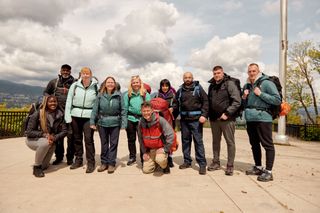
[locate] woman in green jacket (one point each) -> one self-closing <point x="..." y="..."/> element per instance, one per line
<point x="109" y="114"/>
<point x="133" y="99"/>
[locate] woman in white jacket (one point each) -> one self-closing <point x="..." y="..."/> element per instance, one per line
<point x="81" y="97"/>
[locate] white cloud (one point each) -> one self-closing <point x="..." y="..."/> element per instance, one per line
<point x="232" y="53"/>
<point x="45" y="12"/>
<point x="309" y="34"/>
<point x="271" y="7"/>
<point x="142" y="38"/>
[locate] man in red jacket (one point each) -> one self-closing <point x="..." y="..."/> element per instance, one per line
<point x="156" y="137"/>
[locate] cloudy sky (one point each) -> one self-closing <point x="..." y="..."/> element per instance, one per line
<point x="155" y="39"/>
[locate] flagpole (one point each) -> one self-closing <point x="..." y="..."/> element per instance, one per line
<point x="281" y="137"/>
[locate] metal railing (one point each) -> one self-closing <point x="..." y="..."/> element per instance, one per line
<point x="11" y="126"/>
<point x="11" y="123"/>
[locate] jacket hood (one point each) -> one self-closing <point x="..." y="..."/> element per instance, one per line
<point x="193" y="85"/>
<point x="93" y="82"/>
<point x="259" y="76"/>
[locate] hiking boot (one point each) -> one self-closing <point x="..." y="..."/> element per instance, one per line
<point x="102" y="167"/>
<point x="170" y="161"/>
<point x="90" y="168"/>
<point x="166" y="170"/>
<point x="76" y="165"/>
<point x="57" y="161"/>
<point x="265" y="176"/>
<point x="254" y="171"/>
<point x="37" y="171"/>
<point x="69" y="162"/>
<point x="202" y="170"/>
<point x="214" y="166"/>
<point x="184" y="166"/>
<point x="229" y="170"/>
<point x="111" y="169"/>
<point x="131" y="161"/>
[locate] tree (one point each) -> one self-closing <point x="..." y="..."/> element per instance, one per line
<point x="303" y="65"/>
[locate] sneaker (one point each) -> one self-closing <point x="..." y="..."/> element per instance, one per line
<point x="202" y="170"/>
<point x="90" y="168"/>
<point x="102" y="167"/>
<point x="111" y="169"/>
<point x="184" y="166"/>
<point x="76" y="165"/>
<point x="131" y="161"/>
<point x="166" y="170"/>
<point x="57" y="161"/>
<point x="214" y="166"/>
<point x="265" y="176"/>
<point x="254" y="171"/>
<point x="229" y="170"/>
<point x="38" y="172"/>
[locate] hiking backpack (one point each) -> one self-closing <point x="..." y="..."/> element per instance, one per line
<point x="274" y="110"/>
<point x="35" y="107"/>
<point x="239" y="111"/>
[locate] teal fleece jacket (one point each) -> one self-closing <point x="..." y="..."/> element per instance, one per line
<point x="134" y="107"/>
<point x="253" y="104"/>
<point x="109" y="111"/>
<point x="80" y="100"/>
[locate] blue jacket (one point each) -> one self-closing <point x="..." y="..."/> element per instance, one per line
<point x="254" y="105"/>
<point x="80" y="100"/>
<point x="109" y="111"/>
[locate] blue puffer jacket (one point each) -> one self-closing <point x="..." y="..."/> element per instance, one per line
<point x="254" y="104"/>
<point x="109" y="111"/>
<point x="80" y="100"/>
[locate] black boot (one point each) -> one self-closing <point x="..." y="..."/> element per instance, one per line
<point x="170" y="161"/>
<point x="166" y="170"/>
<point x="37" y="171"/>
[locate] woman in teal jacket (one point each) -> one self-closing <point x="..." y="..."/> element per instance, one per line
<point x="133" y="99"/>
<point x="109" y="114"/>
<point x="81" y="97"/>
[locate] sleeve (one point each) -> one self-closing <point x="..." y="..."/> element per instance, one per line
<point x="234" y="96"/>
<point x="124" y="118"/>
<point x="168" y="134"/>
<point x="94" y="112"/>
<point x="67" y="113"/>
<point x="269" y="93"/>
<point x="140" y="139"/>
<point x="63" y="133"/>
<point x="205" y="102"/>
<point x="33" y="126"/>
<point x="49" y="90"/>
<point x="148" y="97"/>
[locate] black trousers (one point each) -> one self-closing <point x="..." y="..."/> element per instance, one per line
<point x="132" y="129"/>
<point x="81" y="127"/>
<point x="261" y="132"/>
<point x="59" y="151"/>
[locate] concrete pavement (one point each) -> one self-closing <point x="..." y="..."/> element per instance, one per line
<point x="296" y="185"/>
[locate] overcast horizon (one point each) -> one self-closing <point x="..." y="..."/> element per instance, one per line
<point x="155" y="39"/>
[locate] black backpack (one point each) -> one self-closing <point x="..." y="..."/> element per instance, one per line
<point x="236" y="81"/>
<point x="35" y="107"/>
<point x="274" y="110"/>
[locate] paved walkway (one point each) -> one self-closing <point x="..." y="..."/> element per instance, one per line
<point x="296" y="185"/>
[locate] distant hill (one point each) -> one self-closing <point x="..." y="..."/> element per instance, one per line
<point x="23" y="89"/>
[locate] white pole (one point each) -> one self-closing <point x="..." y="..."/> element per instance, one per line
<point x="281" y="137"/>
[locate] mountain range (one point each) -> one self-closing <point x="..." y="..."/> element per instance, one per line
<point x="22" y="89"/>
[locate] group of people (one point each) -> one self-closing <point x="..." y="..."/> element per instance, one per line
<point x="77" y="107"/>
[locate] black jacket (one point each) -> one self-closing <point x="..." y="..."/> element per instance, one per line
<point x="191" y="100"/>
<point x="58" y="127"/>
<point x="224" y="97"/>
<point x="59" y="89"/>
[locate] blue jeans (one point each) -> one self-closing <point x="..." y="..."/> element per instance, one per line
<point x="109" y="137"/>
<point x="189" y="130"/>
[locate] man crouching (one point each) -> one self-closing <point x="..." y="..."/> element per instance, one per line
<point x="156" y="137"/>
